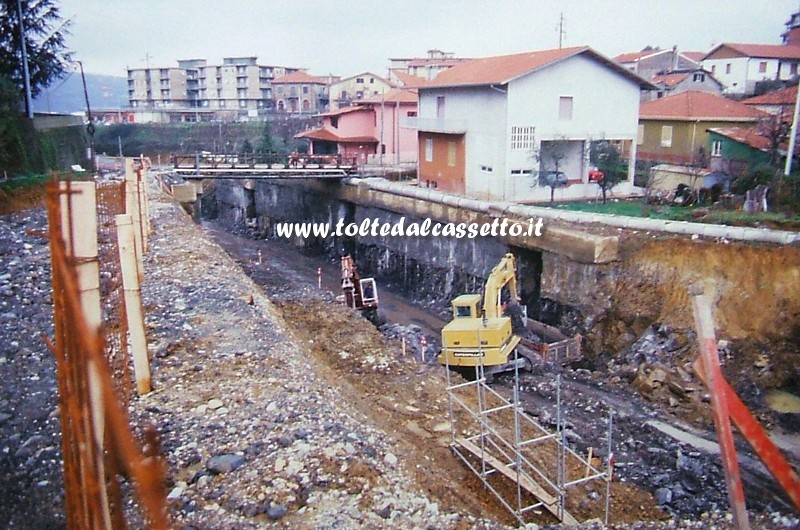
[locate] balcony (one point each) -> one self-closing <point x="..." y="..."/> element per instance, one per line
<point x="434" y="125"/>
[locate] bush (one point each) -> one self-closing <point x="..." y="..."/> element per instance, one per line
<point x="759" y="175"/>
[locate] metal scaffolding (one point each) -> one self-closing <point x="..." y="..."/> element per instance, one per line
<point x="525" y="466"/>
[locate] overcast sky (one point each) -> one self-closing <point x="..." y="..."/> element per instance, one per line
<point x="346" y="37"/>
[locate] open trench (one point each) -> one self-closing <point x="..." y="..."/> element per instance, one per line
<point x="673" y="470"/>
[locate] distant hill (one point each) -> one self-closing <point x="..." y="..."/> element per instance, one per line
<point x="66" y="94"/>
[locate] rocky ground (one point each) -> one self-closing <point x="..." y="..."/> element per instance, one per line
<point x="281" y="410"/>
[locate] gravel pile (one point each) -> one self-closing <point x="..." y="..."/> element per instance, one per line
<point x="252" y="432"/>
<point x="31" y="484"/>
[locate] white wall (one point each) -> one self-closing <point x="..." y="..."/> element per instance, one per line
<point x="605" y="105"/>
<point x="736" y="81"/>
<point x="484" y="111"/>
<point x="745" y="72"/>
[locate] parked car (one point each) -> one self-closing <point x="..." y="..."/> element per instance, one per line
<point x="554" y="179"/>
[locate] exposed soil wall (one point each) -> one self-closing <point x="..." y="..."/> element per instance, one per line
<point x="755" y="288"/>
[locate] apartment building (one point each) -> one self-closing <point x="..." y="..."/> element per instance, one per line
<point x="240" y="86"/>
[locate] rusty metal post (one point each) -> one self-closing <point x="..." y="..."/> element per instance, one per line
<point x="78" y="223"/>
<point x="704" y="322"/>
<point x="758" y="439"/>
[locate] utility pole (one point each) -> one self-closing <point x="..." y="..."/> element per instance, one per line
<point x="793" y="136"/>
<point x="90" y="127"/>
<point x="561" y="32"/>
<point x="26" y="75"/>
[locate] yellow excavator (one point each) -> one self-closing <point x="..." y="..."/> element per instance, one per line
<point x="487" y="335"/>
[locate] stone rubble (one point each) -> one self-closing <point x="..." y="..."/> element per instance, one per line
<point x="253" y="433"/>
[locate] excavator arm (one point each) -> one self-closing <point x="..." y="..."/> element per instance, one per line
<point x="504" y="273"/>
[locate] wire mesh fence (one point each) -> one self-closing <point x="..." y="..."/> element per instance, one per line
<point x="110" y="203"/>
<point x="99" y="450"/>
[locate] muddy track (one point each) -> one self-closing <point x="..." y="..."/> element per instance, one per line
<point x="646" y="457"/>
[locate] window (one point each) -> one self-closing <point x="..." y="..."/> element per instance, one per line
<point x="793" y="69"/>
<point x="666" y="136"/>
<point x="522" y="137"/>
<point x="716" y="148"/>
<point x="360" y="80"/>
<point x="371" y="80"/>
<point x="728" y="68"/>
<point x="699" y="77"/>
<point x="762" y="67"/>
<point x="411" y="113"/>
<point x="343" y="95"/>
<point x="640" y="135"/>
<point x="440" y="107"/>
<point x="451" y="154"/>
<point x="429" y="150"/>
<point x="335" y="122"/>
<point x="565" y="108"/>
<point x="487" y="169"/>
<point x="242" y="103"/>
<point x="305" y="89"/>
<point x="222" y="103"/>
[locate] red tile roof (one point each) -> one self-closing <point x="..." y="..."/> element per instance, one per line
<point x="763" y="51"/>
<point x="396" y="95"/>
<point x="670" y="80"/>
<point x="743" y="135"/>
<point x="784" y="96"/>
<point x="303" y="77"/>
<point x="693" y="56"/>
<point x="343" y="110"/>
<point x="502" y="69"/>
<point x="632" y="57"/>
<point x="408" y="80"/>
<point x="330" y="136"/>
<point x="694" y="105"/>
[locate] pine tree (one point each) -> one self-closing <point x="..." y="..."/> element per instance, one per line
<point x="45" y="32"/>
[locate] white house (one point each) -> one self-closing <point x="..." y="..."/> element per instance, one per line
<point x="498" y="127"/>
<point x="740" y="66"/>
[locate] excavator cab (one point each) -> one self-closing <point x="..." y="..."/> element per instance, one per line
<point x="466" y="306"/>
<point x="359" y="293"/>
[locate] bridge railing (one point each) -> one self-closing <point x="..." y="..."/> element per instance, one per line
<point x="205" y="160"/>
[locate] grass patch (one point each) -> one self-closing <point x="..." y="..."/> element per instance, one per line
<point x="20" y="193"/>
<point x="697" y="214"/>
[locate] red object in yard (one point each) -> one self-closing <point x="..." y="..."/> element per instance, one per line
<point x="595" y="175"/>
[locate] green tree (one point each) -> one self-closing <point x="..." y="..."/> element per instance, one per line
<point x="266" y="144"/>
<point x="10" y="144"/>
<point x="607" y="159"/>
<point x="45" y="32"/>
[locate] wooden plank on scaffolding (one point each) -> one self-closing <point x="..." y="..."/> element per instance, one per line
<point x="549" y="501"/>
<point x="704" y="322"/>
<point x="758" y="438"/>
